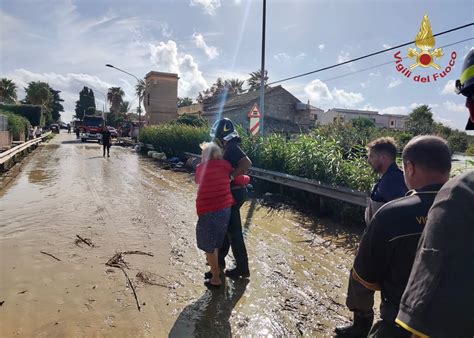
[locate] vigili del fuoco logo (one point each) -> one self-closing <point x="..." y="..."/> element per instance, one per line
<point x="425" y="56"/>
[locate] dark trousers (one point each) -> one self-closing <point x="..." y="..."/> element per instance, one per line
<point x="235" y="237"/>
<point x="105" y="146"/>
<point x="384" y="329"/>
<point x="360" y="300"/>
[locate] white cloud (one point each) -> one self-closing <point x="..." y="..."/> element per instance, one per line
<point x="375" y="74"/>
<point x="210" y="51"/>
<point x="394" y="82"/>
<point x="386" y="46"/>
<point x="453" y="107"/>
<point x="281" y="57"/>
<point x="343" y="57"/>
<point x="209" y="6"/>
<point x="364" y="84"/>
<point x="165" y="30"/>
<point x="319" y="92"/>
<point x="448" y="88"/>
<point x="166" y="58"/>
<point x="321" y="46"/>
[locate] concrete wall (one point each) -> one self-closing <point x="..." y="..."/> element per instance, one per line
<point x="161" y="95"/>
<point x="194" y="109"/>
<point x="5" y="139"/>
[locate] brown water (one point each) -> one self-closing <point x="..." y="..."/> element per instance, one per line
<point x="299" y="265"/>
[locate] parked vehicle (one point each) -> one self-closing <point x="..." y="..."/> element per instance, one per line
<point x="113" y="132"/>
<point x="91" y="128"/>
<point x="54" y="128"/>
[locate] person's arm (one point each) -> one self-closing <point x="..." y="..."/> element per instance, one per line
<point x="371" y="256"/>
<point x="243" y="166"/>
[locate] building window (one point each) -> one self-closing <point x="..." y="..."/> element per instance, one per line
<point x="392" y="123"/>
<point x="148" y="99"/>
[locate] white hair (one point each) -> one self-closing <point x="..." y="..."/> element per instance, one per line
<point x="210" y="151"/>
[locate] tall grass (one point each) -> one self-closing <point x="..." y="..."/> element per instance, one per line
<point x="175" y="139"/>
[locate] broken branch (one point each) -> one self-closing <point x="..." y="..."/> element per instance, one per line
<point x="48" y="254"/>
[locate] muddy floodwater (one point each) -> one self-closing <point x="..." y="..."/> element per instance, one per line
<point x="54" y="285"/>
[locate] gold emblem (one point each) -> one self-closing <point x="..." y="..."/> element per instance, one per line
<point x="426" y="42"/>
<point x="226" y="128"/>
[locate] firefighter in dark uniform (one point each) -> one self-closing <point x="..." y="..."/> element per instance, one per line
<point x="382" y="153"/>
<point x="387" y="249"/>
<point x="439" y="298"/>
<point x="224" y="133"/>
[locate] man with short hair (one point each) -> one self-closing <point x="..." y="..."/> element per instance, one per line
<point x="381" y="156"/>
<point x="387" y="250"/>
<point x="439" y="297"/>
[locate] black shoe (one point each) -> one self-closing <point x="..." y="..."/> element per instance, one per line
<point x="360" y="328"/>
<point x="208" y="275"/>
<point x="236" y="273"/>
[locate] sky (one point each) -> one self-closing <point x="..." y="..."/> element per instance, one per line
<point x="67" y="44"/>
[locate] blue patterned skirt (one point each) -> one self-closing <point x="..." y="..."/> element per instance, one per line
<point x="211" y="230"/>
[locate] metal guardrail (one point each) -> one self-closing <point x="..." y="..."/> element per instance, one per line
<point x="339" y="193"/>
<point x="9" y="154"/>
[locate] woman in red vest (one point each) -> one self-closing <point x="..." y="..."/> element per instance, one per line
<point x="213" y="203"/>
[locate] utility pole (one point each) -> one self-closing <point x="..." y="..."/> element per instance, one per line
<point x="262" y="70"/>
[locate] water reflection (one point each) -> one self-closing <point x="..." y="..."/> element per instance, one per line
<point x="39" y="176"/>
<point x="209" y="315"/>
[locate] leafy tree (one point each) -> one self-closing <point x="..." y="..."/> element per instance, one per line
<point x="39" y="93"/>
<point x="470" y="150"/>
<point x="124" y="108"/>
<point x="184" y="101"/>
<point x="458" y="141"/>
<point x="7" y="91"/>
<point x="362" y="123"/>
<point x="86" y="101"/>
<point x="192" y="120"/>
<point x="56" y="106"/>
<point x="255" y="80"/>
<point x="420" y="121"/>
<point x="219" y="91"/>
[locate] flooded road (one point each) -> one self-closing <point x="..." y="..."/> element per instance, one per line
<point x="299" y="265"/>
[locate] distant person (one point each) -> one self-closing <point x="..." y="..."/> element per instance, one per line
<point x="77" y="131"/>
<point x="213" y="203"/>
<point x="439" y="297"/>
<point x="388" y="247"/>
<point x="38" y="131"/>
<point x="382" y="154"/>
<point x="31" y="133"/>
<point x="106" y="141"/>
<point x="226" y="136"/>
<point x="68" y="128"/>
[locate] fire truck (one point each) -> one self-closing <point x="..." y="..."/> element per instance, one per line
<point x="91" y="128"/>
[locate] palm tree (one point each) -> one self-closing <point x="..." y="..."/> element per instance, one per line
<point x="124" y="107"/>
<point x="255" y="79"/>
<point x="140" y="92"/>
<point x="7" y="91"/>
<point x="115" y="97"/>
<point x="39" y="93"/>
<point x="234" y="86"/>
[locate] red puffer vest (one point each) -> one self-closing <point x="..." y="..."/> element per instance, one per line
<point x="214" y="193"/>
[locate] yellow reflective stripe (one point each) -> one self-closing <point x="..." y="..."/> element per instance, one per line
<point x="412" y="330"/>
<point x="467" y="74"/>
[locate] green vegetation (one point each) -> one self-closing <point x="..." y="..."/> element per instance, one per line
<point x="175" y="139"/>
<point x="85" y="104"/>
<point x="17" y="124"/>
<point x="31" y="112"/>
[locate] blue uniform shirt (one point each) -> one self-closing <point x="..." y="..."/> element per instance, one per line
<point x="390" y="186"/>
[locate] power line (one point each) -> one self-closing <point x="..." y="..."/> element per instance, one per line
<point x="366" y="56"/>
<point x="387" y="63"/>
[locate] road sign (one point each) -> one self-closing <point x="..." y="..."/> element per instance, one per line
<point x="254" y="115"/>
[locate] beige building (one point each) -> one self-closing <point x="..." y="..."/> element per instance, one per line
<point x="161" y="95"/>
<point x="389" y="121"/>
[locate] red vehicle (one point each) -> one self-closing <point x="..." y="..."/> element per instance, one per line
<point x="91" y="128"/>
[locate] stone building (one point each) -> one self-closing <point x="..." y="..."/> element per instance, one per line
<point x="389" y="121"/>
<point x="160" y="97"/>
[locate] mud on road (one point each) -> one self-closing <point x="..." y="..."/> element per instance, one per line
<point x="299" y="264"/>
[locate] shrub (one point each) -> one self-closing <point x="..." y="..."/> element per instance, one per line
<point x="175" y="139"/>
<point x="17" y="124"/>
<point x="31" y="112"/>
